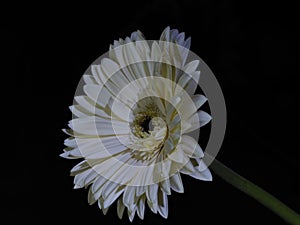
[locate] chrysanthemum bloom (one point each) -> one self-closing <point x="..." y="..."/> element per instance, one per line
<point x="133" y="125"/>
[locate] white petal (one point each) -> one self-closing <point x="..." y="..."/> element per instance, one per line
<point x="180" y="38"/>
<point x="165" y="186"/>
<point x="143" y="50"/>
<point x="117" y="54"/>
<point x="109" y="67"/>
<point x="163" y="204"/>
<point x="174" y="123"/>
<point x="98" y="94"/>
<point x="128" y="40"/>
<point x="90" y="177"/>
<point x="105" y="211"/>
<point x="131" y="214"/>
<point x="163" y="170"/>
<point x="70" y="142"/>
<point x="137" y="36"/>
<point x="191" y="147"/>
<point x="115" y="144"/>
<point x="174" y="33"/>
<point x="186" y="107"/>
<point x="119" y="170"/>
<point x="140" y="190"/>
<point x="196" y="121"/>
<point x="165" y="71"/>
<point x="192" y="85"/>
<point x="97" y="74"/>
<point x="134" y="63"/>
<point x="88" y="79"/>
<point x="108" y="188"/>
<point x="113" y="196"/>
<point x="120" y="208"/>
<point x="199" y="100"/>
<point x="155" y="52"/>
<point x="72" y="154"/>
<point x="91" y="107"/>
<point x="120" y="110"/>
<point x="100" y="205"/>
<point x="91" y="197"/>
<point x="114" y="79"/>
<point x="178" y="156"/>
<point x="80" y="167"/>
<point x="80" y="178"/>
<point x="134" y="60"/>
<point x="204" y="118"/>
<point x="142" y="174"/>
<point x="98" y="148"/>
<point x="184" y="80"/>
<point x="165" y="36"/>
<point x="141" y="207"/>
<point x="153" y="206"/>
<point x="191" y="67"/>
<point x="203" y="175"/>
<point x="129" y="196"/>
<point x="79" y="111"/>
<point x="97" y="126"/>
<point x="99" y="182"/>
<point x="112" y="88"/>
<point x="152" y="193"/>
<point x="188" y="168"/>
<point x="176" y="183"/>
<point x="187" y="43"/>
<point x="201" y="166"/>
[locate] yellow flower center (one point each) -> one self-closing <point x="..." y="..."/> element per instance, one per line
<point x="149" y="134"/>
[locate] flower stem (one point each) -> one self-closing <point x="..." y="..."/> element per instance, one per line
<point x="256" y="192"/>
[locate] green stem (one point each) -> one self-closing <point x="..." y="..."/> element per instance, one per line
<point x="256" y="192"/>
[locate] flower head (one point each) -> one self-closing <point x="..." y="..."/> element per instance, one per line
<point x="133" y="125"/>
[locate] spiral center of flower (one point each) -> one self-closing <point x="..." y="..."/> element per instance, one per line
<point x="149" y="132"/>
<point x="155" y="129"/>
<point x="146" y="125"/>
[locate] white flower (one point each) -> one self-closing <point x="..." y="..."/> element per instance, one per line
<point x="132" y="125"/>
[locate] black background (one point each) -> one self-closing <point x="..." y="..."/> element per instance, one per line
<point x="253" y="51"/>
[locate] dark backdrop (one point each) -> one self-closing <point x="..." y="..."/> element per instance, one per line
<point x="252" y="49"/>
